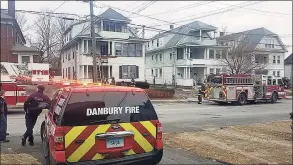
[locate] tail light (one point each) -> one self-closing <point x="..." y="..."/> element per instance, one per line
<point x="59" y="139"/>
<point x="159" y="137"/>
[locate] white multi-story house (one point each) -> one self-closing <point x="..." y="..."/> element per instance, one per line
<point x="261" y="42"/>
<point x="121" y="50"/>
<point x="184" y="55"/>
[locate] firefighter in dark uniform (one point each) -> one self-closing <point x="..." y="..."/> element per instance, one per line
<point x="33" y="107"/>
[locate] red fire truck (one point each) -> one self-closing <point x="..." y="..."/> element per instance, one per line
<point x="242" y="89"/>
<point x="15" y="95"/>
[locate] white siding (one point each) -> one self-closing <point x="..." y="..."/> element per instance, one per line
<point x="268" y="39"/>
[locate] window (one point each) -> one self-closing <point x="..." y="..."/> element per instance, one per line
<point x="279" y="60"/>
<point x="218" y="70"/>
<point x="89" y="46"/>
<point x="156" y="58"/>
<point x="170" y="56"/>
<point x="138" y="50"/>
<point x="59" y="106"/>
<point x="152" y="57"/>
<point x="218" y="54"/>
<point x="152" y="72"/>
<point x="274" y="73"/>
<point x="85" y="46"/>
<point x="128" y="72"/>
<point x="152" y="42"/>
<point x="73" y="55"/>
<point x="118" y="49"/>
<point x="158" y="43"/>
<point x="211" y="54"/>
<point x="25" y="59"/>
<point x="156" y="73"/>
<point x="265" y="60"/>
<point x="269" y="43"/>
<point x="63" y="73"/>
<point x="274" y="59"/>
<point x="79" y="106"/>
<point x="130" y="50"/>
<point x="148" y="44"/>
<point x="69" y="56"/>
<point x="112" y="26"/>
<point x="76" y="47"/>
<point x="54" y="100"/>
<point x="212" y="70"/>
<point x="160" y="72"/>
<point x="160" y="57"/>
<point x="278" y="73"/>
<point x="63" y="58"/>
<point x="179" y="53"/>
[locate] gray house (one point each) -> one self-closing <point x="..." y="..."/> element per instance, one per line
<point x="288" y="67"/>
<point x="184" y="55"/>
<point x="263" y="42"/>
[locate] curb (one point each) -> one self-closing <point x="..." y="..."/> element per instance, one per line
<point x="172" y="101"/>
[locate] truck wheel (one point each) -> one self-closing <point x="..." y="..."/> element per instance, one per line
<point x="274" y="97"/>
<point x="242" y="99"/>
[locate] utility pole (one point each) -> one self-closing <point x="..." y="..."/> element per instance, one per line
<point x="94" y="54"/>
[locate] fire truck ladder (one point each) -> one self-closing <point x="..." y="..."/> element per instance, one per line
<point x="238" y="81"/>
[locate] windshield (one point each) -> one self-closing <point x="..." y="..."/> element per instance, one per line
<point x="216" y="80"/>
<point x="91" y="107"/>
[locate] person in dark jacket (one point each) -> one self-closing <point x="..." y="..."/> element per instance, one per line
<point x="3" y="118"/>
<point x="33" y="107"/>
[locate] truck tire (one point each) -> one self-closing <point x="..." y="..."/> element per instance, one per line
<point x="242" y="99"/>
<point x="274" y="97"/>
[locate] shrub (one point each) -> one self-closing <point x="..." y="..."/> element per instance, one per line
<point x="160" y="92"/>
<point x="143" y="85"/>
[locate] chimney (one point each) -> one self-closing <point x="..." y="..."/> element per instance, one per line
<point x="171" y="27"/>
<point x="11" y="8"/>
<point x="222" y="33"/>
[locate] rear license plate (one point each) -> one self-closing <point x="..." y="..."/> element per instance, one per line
<point x="115" y="142"/>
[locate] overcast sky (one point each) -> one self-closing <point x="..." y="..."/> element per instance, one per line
<point x="276" y="16"/>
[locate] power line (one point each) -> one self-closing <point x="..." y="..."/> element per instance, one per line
<point x="264" y="11"/>
<point x="214" y="12"/>
<point x="134" y="13"/>
<point x="46" y="13"/>
<point x="182" y="8"/>
<point x="146" y="6"/>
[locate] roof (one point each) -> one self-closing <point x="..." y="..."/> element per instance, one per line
<point x="185" y="29"/>
<point x="4" y="15"/>
<point x="22" y="48"/>
<point x="288" y="60"/>
<point x="111" y="14"/>
<point x="251" y="38"/>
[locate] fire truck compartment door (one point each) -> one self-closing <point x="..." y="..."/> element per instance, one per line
<point x="231" y="92"/>
<point x="216" y="92"/>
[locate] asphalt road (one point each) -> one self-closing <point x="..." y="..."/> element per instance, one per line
<point x="180" y="117"/>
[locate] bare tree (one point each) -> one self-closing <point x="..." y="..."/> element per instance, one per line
<point x="22" y="22"/>
<point x="240" y="60"/>
<point x="45" y="40"/>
